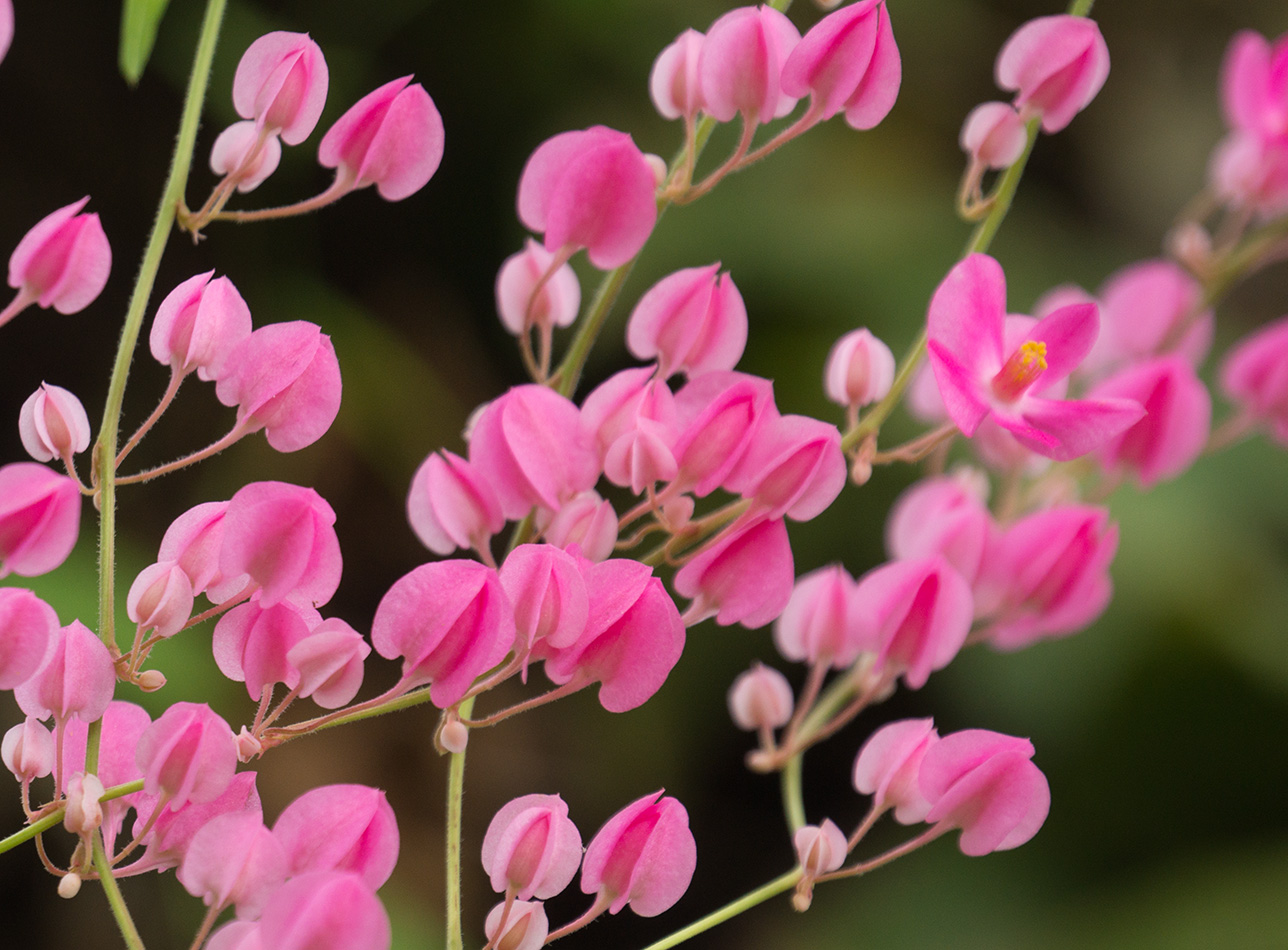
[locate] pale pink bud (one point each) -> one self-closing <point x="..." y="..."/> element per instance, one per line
<point x="920" y="611"/>
<point x="283" y="536"/>
<point x="450" y="621"/>
<point x="760" y="698"/>
<point x="587" y="521"/>
<point x="28" y="626"/>
<point x="198" y="325"/>
<point x="821" y="623"/>
<point x="526" y="926"/>
<point x="251" y="642"/>
<point x="1254" y="374"/>
<point x="283" y="378"/>
<point x="549" y="595"/>
<point x="848" y="60"/>
<point x="160" y="599"/>
<point x="557" y="302"/>
<point x="63" y="261"/>
<point x="325" y="910"/>
<point x="994" y="135"/>
<point x="943" y="515"/>
<point x="454" y="736"/>
<point x="28" y="750"/>
<point x="281" y="83"/>
<point x="887" y="766"/>
<point x="531" y="847"/>
<point x="188" y="755"/>
<point x="859" y="369"/>
<point x="451" y="505"/>
<point x="235" y="860"/>
<point x="1178" y="414"/>
<point x="329" y="663"/>
<point x="986" y="784"/>
<point x="76" y="679"/>
<point x="530" y="446"/>
<point x="741" y="64"/>
<point x="1248" y="171"/>
<point x="1056" y="64"/>
<point x="718" y="415"/>
<point x="674" y="84"/>
<point x="69" y="885"/>
<point x="643" y="856"/>
<point x="820" y="848"/>
<point x="392" y="137"/>
<point x="84" y="808"/>
<point x="340" y="828"/>
<point x="793" y="468"/>
<point x="39" y="518"/>
<point x="53" y="424"/>
<point x="632" y="639"/>
<point x="694" y="321"/>
<point x="591" y="188"/>
<point x="234" y="152"/>
<point x="745" y="577"/>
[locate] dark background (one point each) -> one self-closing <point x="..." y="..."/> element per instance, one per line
<point x="1161" y="728"/>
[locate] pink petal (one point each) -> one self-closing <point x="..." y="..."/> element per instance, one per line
<point x="1069" y="333"/>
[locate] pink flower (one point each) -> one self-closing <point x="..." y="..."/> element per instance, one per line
<point x="793" y="468"/>
<point x="234" y="859"/>
<point x="674" y="83"/>
<point x="6" y="26"/>
<point x="450" y="621"/>
<point x="76" y="678"/>
<point x="392" y="137"/>
<point x="1148" y="309"/>
<point x="1251" y="172"/>
<point x="549" y="595"/>
<point x="53" y="424"/>
<point x="985" y="784"/>
<point x="643" y="856"/>
<point x="281" y="83"/>
<point x="741" y="65"/>
<point x="283" y="537"/>
<point x="198" y="325"/>
<point x="160" y="598"/>
<point x="631" y="418"/>
<point x="591" y="188"/>
<point x="557" y="302"/>
<point x="122" y="725"/>
<point x="718" y="415"/>
<point x="820" y="848"/>
<point x="252" y="641"/>
<point x="531" y="847"/>
<point x="84" y="810"/>
<point x="340" y="828"/>
<point x="693" y="321"/>
<point x="1175" y="428"/>
<point x="1056" y="64"/>
<point x="234" y="152"/>
<point x="978" y="378"/>
<point x="1254" y="375"/>
<point x="169" y="835"/>
<point x="945" y="515"/>
<point x="526" y="925"/>
<point x="193" y="541"/>
<point x="859" y="370"/>
<point x="848" y="61"/>
<point x="745" y="577"/>
<point x="329" y="662"/>
<point x="325" y="910"/>
<point x="28" y="626"/>
<point x="585" y="520"/>
<point x="451" y="505"/>
<point x="188" y="755"/>
<point x="39" y="519"/>
<point x="62" y="262"/>
<point x="1051" y="573"/>
<point x="993" y="135"/>
<point x="28" y="750"/>
<point x="888" y="764"/>
<point x="820" y="623"/>
<point x="283" y="378"/>
<point x="1253" y="90"/>
<point x="760" y="698"/>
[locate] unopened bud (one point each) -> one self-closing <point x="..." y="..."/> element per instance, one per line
<point x="151" y="680"/>
<point x="84" y="812"/>
<point x="248" y="746"/>
<point x="454" y="736"/>
<point x="658" y="166"/>
<point x="760" y="698"/>
<point x="69" y="885"/>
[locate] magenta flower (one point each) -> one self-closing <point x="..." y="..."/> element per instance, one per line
<point x="188" y="755"/>
<point x="39" y="519"/>
<point x="1254" y="375"/>
<point x="340" y="828"/>
<point x="53" y="424"/>
<point x="643" y="856"/>
<point x="1056" y="64"/>
<point x="820" y="623"/>
<point x="986" y="784"/>
<point x="694" y="321"/>
<point x="450" y="621"/>
<point x="585" y="521"/>
<point x="251" y="642"/>
<point x="451" y="505"/>
<point x="888" y="764"/>
<point x="329" y="662"/>
<point x="531" y="847"/>
<point x="392" y="137"/>
<point x="979" y="376"/>
<point x="325" y="910"/>
<point x="631" y="418"/>
<point x="549" y="595"/>
<point x="234" y="860"/>
<point x="193" y="541"/>
<point x="198" y="325"/>
<point x="591" y="188"/>
<point x="76" y="678"/>
<point x="62" y="262"/>
<point x="794" y="468"/>
<point x="741" y="65"/>
<point x="744" y="577"/>
<point x="718" y="415"/>
<point x="848" y="61"/>
<point x="281" y="84"/>
<point x="27" y="627"/>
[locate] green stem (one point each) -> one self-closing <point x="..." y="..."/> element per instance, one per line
<point x="789" y="780"/>
<point x="55" y="817"/>
<point x="569" y="372"/>
<point x="106" y="447"/>
<point x="114" y="898"/>
<point x="761" y="894"/>
<point x="455" y="799"/>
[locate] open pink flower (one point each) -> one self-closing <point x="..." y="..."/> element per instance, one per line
<point x="978" y="377"/>
<point x="591" y="188"/>
<point x="1056" y="64"/>
<point x="643" y="856"/>
<point x="532" y="848"/>
<point x="391" y="138"/>
<point x="281" y="84"/>
<point x="62" y="262"/>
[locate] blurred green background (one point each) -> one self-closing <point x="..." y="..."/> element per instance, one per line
<point x="1161" y="729"/>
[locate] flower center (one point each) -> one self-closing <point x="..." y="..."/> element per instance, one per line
<point x="1020" y="371"/>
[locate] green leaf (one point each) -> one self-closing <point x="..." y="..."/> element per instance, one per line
<point x="139" y="22"/>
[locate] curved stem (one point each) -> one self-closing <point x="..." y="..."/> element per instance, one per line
<point x="176" y="379"/>
<point x="21" y="301"/>
<point x="790" y="785"/>
<point x="114" y="898"/>
<point x="777" y="886"/>
<point x="214" y="448"/>
<point x="337" y="190"/>
<point x="388" y="702"/>
<point x="455" y="801"/>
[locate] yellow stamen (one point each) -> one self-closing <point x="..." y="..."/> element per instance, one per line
<point x="1021" y="371"/>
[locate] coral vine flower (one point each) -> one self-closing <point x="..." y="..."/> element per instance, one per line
<point x="198" y="324"/>
<point x="234" y="859"/>
<point x="39" y="519"/>
<point x="392" y="137"/>
<point x="978" y="378"/>
<point x="62" y="262"/>
<point x="859" y="370"/>
<point x="188" y="755"/>
<point x="526" y="926"/>
<point x="556" y="303"/>
<point x="340" y="828"/>
<point x="993" y="135"/>
<point x="886" y="768"/>
<point x="694" y="321"/>
<point x="674" y="84"/>
<point x="325" y="910"/>
<point x="6" y="26"/>
<point x="643" y="856"/>
<point x="760" y="698"/>
<point x="1253" y="91"/>
<point x="235" y="151"/>
<point x="27" y="626"/>
<point x="820" y="623"/>
<point x="744" y="577"/>
<point x="532" y="848"/>
<point x="451" y="505"/>
<point x="741" y="65"/>
<point x="281" y="84"/>
<point x="1254" y="374"/>
<point x="1056" y="64"/>
<point x="75" y="679"/>
<point x="591" y="188"/>
<point x="53" y="424"/>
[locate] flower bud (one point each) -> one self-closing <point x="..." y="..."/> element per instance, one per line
<point x="451" y="505"/>
<point x="674" y="84"/>
<point x="531" y="847"/>
<point x="760" y="698"/>
<point x="62" y="262"/>
<point x="587" y="521"/>
<point x="741" y="65"/>
<point x="160" y="599"/>
<point x="84" y="809"/>
<point x="28" y="750"/>
<point x="859" y="370"/>
<point x="526" y="926"/>
<point x="234" y="152"/>
<point x="994" y="135"/>
<point x="1056" y="64"/>
<point x="555" y="305"/>
<point x="53" y="424"/>
<point x="198" y="325"/>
